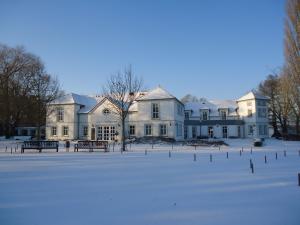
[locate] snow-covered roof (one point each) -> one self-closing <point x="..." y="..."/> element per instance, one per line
<point x="73" y="98"/>
<point x="213" y="106"/>
<point x="157" y="93"/>
<point x="252" y="95"/>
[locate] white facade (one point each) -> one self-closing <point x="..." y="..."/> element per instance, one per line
<point x="245" y="118"/>
<point x="157" y="114"/>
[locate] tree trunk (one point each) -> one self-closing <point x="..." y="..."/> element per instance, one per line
<point x="298" y="125"/>
<point x="123" y="135"/>
<point x="275" y="127"/>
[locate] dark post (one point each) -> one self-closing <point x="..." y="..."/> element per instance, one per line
<point x="219" y="147"/>
<point x="252" y="167"/>
<point x="299" y="152"/>
<point x="250" y="163"/>
<point x="210" y="157"/>
<point x="227" y="155"/>
<point x="284" y="153"/>
<point x="299" y="179"/>
<point x="169" y="154"/>
<point x="240" y="153"/>
<point x="242" y="149"/>
<point x="195" y="147"/>
<point x="195" y="159"/>
<point x="152" y="144"/>
<point x="11" y="150"/>
<point x="265" y="159"/>
<point x="251" y="150"/>
<point x="146" y="152"/>
<point x="15" y="149"/>
<point x="172" y="146"/>
<point x="276" y="156"/>
<point x="6" y="149"/>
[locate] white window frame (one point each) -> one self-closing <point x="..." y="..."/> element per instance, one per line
<point x="52" y="131"/>
<point x="65" y="131"/>
<point x="155" y="111"/>
<point x="131" y="128"/>
<point x="148" y="130"/>
<point x="163" y="127"/>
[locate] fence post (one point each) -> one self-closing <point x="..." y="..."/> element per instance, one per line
<point x="169" y="154"/>
<point x="242" y="149"/>
<point x="210" y="157"/>
<point x="11" y="150"/>
<point x="240" y="153"/>
<point x="251" y="150"/>
<point x="6" y="149"/>
<point x="227" y="155"/>
<point x="265" y="159"/>
<point x="299" y="179"/>
<point x="195" y="159"/>
<point x="284" y="153"/>
<point x="172" y="146"/>
<point x="276" y="156"/>
<point x="219" y="147"/>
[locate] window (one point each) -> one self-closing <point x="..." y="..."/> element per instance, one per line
<point x="179" y="109"/>
<point x="85" y="131"/>
<point x="185" y="132"/>
<point x="186" y="115"/>
<point x="179" y="129"/>
<point x="53" y="131"/>
<point x="112" y="133"/>
<point x="262" y="112"/>
<point x="148" y="129"/>
<point x="261" y="129"/>
<point x="250" y="130"/>
<point x="163" y="129"/>
<point x="100" y="133"/>
<point x="106" y="111"/>
<point x="132" y="130"/>
<point x="204" y="115"/>
<point x="249" y="112"/>
<point x="194" y="132"/>
<point x="65" y="131"/>
<point x="266" y="129"/>
<point x="59" y="114"/>
<point x="106" y="133"/>
<point x="223" y="115"/>
<point x="224" y="131"/>
<point x="155" y="111"/>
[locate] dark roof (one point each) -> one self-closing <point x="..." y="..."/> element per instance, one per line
<point x="213" y="122"/>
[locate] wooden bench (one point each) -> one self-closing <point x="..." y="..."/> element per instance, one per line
<point x="91" y="145"/>
<point x="39" y="145"/>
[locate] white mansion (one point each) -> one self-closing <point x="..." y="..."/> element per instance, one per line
<point x="157" y="114"/>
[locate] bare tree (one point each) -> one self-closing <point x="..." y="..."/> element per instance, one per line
<point x="292" y="55"/>
<point x="25" y="89"/>
<point x="123" y="89"/>
<point x="269" y="88"/>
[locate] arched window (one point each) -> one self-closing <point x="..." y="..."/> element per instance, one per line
<point x="106" y="111"/>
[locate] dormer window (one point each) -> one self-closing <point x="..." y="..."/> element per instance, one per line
<point x="186" y="115"/>
<point x="223" y="114"/>
<point x="106" y="111"/>
<point x="204" y="115"/>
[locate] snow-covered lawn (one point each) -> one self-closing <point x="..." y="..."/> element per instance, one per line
<point x="133" y="188"/>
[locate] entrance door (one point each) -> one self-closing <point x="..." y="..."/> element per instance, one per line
<point x="93" y="133"/>
<point x="224" y="131"/>
<point x="210" y="132"/>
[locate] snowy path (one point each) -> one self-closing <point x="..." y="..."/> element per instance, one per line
<point x="134" y="188"/>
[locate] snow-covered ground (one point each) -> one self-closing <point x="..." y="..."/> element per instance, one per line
<point x="133" y="188"/>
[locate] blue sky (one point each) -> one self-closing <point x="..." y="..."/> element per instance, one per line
<point x="215" y="49"/>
